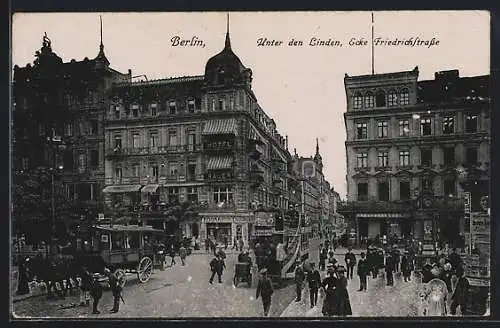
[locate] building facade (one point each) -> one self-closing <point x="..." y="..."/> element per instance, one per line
<point x="410" y="146"/>
<point x="198" y="140"/>
<point x="58" y="127"/>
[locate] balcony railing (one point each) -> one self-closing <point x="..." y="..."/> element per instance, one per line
<point x="436" y="203"/>
<point x="118" y="151"/>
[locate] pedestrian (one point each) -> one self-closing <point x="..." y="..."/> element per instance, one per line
<point x="22" y="279"/>
<point x="226" y="241"/>
<point x="241" y="244"/>
<point x="350" y="261"/>
<point x="389" y="269"/>
<point x="342" y="302"/>
<point x="172" y="255"/>
<point x="96" y="293"/>
<point x="116" y="282"/>
<point x="363" y="270"/>
<point x="406" y="266"/>
<point x="235" y="244"/>
<point x="182" y="254"/>
<point x="217" y="266"/>
<point x="460" y="296"/>
<point x="85" y="284"/>
<point x="322" y="258"/>
<point x="299" y="280"/>
<point x="455" y="260"/>
<point x="265" y="290"/>
<point x="207" y="245"/>
<point x="446" y="276"/>
<point x="329" y="285"/>
<point x="314" y="281"/>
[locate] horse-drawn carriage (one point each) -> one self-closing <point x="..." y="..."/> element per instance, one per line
<point x="127" y="248"/>
<point x="243" y="273"/>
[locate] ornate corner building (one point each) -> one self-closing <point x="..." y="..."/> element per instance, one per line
<point x="412" y="148"/>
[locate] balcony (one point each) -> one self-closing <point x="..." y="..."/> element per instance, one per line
<point x="219" y="146"/>
<point x="437" y="203"/>
<point x="131" y="151"/>
<point x="219" y="177"/>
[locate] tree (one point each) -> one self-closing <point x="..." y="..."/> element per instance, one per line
<point x="180" y="213"/>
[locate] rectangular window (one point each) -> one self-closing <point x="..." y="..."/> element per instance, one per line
<point x="383" y="191"/>
<point x="426" y="157"/>
<point x="153" y="142"/>
<point x="449" y="156"/>
<point x="68" y="131"/>
<point x="118" y="175"/>
<point x="82" y="162"/>
<point x="470" y="123"/>
<point x="383" y="158"/>
<point x="94" y="127"/>
<point x="404" y="158"/>
<point x="425" y="127"/>
<point x="382" y="127"/>
<point x="363" y="191"/>
<point x="222" y="104"/>
<point x="404" y="190"/>
<point x="173" y="195"/>
<point x="471" y="156"/>
<point x="94" y="158"/>
<point x="362" y="160"/>
<point x="136" y="140"/>
<point x="448" y="125"/>
<point x="173" y="169"/>
<point x="154" y="110"/>
<point x="404" y="128"/>
<point x="369" y="100"/>
<point x="191" y="105"/>
<point x="172" y="107"/>
<point x="136" y="170"/>
<point x="68" y="160"/>
<point x="361" y="131"/>
<point x="191" y="171"/>
<point x="404" y="97"/>
<point x="192" y="194"/>
<point x="117" y="111"/>
<point x="449" y="187"/>
<point x="154" y="173"/>
<point x="172" y="138"/>
<point x="223" y="195"/>
<point x="191" y="140"/>
<point x="392" y="99"/>
<point x="135" y="110"/>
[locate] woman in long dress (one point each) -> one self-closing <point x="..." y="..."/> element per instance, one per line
<point x="329" y="284"/>
<point x="342" y="302"/>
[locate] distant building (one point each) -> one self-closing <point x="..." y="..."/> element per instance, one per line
<point x="410" y="147"/>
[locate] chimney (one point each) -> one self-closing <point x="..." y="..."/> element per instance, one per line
<point x="286" y="142"/>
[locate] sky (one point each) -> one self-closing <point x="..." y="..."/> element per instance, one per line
<point x="300" y="87"/>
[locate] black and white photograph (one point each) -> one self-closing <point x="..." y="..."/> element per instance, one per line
<point x="224" y="164"/>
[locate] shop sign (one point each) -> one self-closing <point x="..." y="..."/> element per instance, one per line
<point x="217" y="219"/>
<point x="240" y="220"/>
<point x="261" y="233"/>
<point x="264" y="219"/>
<point x="479" y="223"/>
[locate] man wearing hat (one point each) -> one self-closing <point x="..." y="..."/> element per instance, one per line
<point x="116" y="283"/>
<point x="389" y="269"/>
<point x="299" y="279"/>
<point x="265" y="289"/>
<point x="313" y="280"/>
<point x="96" y="293"/>
<point x="350" y="262"/>
<point x="342" y="302"/>
<point x="363" y="270"/>
<point x="406" y="266"/>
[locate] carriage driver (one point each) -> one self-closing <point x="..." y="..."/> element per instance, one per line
<point x="116" y="282"/>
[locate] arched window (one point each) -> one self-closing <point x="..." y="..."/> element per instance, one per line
<point x="380" y="99"/>
<point x="369" y="100"/>
<point x="404" y="97"/>
<point x="358" y="100"/>
<point x="392" y="98"/>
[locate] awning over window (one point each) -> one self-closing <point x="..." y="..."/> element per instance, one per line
<point x="218" y="163"/>
<point x="149" y="188"/>
<point x="121" y="189"/>
<point x="227" y="126"/>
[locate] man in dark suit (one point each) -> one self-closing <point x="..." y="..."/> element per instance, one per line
<point x="363" y="269"/>
<point x="350" y="262"/>
<point x="314" y="281"/>
<point x="265" y="289"/>
<point x="389" y="269"/>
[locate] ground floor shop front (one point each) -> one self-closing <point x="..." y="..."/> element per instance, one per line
<point x="226" y="227"/>
<point x="398" y="227"/>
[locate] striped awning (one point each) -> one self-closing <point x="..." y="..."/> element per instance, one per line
<point x="219" y="163"/>
<point x="121" y="189"/>
<point x="150" y="188"/>
<point x="227" y="126"/>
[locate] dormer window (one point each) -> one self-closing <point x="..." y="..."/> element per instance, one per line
<point x="172" y="107"/>
<point x="154" y="110"/>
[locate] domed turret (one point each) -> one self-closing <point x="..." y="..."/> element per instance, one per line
<point x="226" y="68"/>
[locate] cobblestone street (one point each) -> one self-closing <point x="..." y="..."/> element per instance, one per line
<point x="179" y="291"/>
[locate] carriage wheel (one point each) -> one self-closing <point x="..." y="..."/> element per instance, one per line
<point x="235" y="280"/>
<point x="144" y="269"/>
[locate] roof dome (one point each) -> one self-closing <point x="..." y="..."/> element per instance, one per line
<point x="226" y="68"/>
